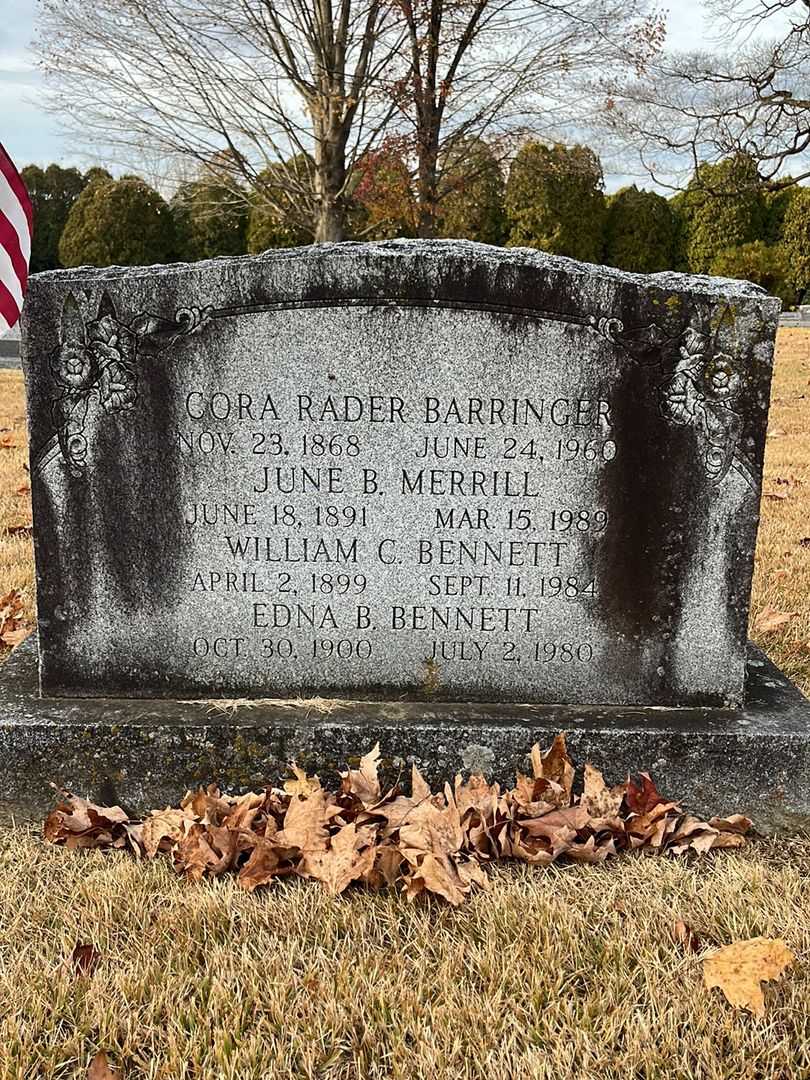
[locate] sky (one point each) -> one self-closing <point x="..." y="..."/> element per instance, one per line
<point x="31" y="135"/>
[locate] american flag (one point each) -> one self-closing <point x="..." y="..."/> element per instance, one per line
<point x="16" y="229"/>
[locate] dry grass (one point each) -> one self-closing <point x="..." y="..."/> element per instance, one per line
<point x="318" y="706"/>
<point x="569" y="972"/>
<point x="16" y="551"/>
<point x="782" y="576"/>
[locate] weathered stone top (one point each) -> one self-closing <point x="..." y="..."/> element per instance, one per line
<point x="430" y="252"/>
<point x="424" y="469"/>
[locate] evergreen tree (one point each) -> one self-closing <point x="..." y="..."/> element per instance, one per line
<point x="796" y="241"/>
<point x="472" y="207"/>
<point x="209" y="220"/>
<point x="97" y="172"/>
<point x="53" y="191"/>
<point x="555" y="201"/>
<point x="724" y="207"/>
<point x="762" y="263"/>
<point x="640" y="232"/>
<point x="270" y="224"/>
<point x="118" y="222"/>
<point x="776" y="207"/>
<point x="681" y="219"/>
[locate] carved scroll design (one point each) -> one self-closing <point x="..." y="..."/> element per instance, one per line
<point x="99" y="358"/>
<point x="699" y="392"/>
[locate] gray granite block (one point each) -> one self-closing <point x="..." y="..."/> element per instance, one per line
<point x="144" y="754"/>
<point x="423" y="470"/>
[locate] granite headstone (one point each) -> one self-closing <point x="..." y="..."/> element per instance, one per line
<point x="410" y="470"/>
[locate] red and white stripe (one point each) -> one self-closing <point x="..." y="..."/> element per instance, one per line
<point x="16" y="229"/>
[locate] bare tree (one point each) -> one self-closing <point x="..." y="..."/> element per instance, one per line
<point x="291" y="94"/>
<point x="750" y="97"/>
<point x="250" y="84"/>
<point x="503" y="69"/>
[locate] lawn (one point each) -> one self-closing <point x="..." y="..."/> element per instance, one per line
<point x="568" y="972"/>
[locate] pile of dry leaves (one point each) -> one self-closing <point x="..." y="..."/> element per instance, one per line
<point x="423" y="842"/>
<point x="14" y="622"/>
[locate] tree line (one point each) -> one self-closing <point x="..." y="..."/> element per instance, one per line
<point x="551" y="197"/>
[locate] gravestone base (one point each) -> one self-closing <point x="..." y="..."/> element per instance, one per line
<point x="147" y="753"/>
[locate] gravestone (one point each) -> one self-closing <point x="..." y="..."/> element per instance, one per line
<point x="435" y="475"/>
<point x="420" y="471"/>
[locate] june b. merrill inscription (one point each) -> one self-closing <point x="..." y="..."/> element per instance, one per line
<point x="413" y="469"/>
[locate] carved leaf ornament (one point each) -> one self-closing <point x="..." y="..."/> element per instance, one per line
<point x="700" y="392"/>
<point x="99" y="359"/>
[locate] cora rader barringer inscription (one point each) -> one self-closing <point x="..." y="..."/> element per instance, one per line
<point x="97" y="357"/>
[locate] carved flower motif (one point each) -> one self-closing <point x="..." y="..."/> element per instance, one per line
<point x="72" y="366"/>
<point x="117" y="387"/>
<point x="720" y="381"/>
<point x="114" y="347"/>
<point x="699" y="379"/>
<point x="699" y="392"/>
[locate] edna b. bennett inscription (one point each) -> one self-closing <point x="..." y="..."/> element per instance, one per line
<point x="413" y="470"/>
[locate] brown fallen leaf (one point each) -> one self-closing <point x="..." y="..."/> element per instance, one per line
<point x="350" y="856"/>
<point x="78" y="823"/>
<point x="163" y="828"/>
<point x="779" y="496"/>
<point x="10" y="440"/>
<point x="555" y="765"/>
<point x="387" y="868"/>
<point x="363" y="782"/>
<point x="432" y="829"/>
<point x="685" y="936"/>
<point x="246" y="810"/>
<point x="741" y="968"/>
<point x="13" y="628"/>
<point x="206" y="805"/>
<point x="85" y="959"/>
<point x="734" y="823"/>
<point x="24" y="489"/>
<point x="600" y="800"/>
<point x="306" y="820"/>
<point x="644" y="797"/>
<point x="100" y="1069"/>
<point x="302" y="784"/>
<point x="776" y="433"/>
<point x="770" y="619"/>
<point x="441" y="875"/>
<point x="19" y="528"/>
<point x="592" y="851"/>
<point x="267" y="861"/>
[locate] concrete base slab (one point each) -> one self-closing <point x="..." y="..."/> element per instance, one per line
<point x="146" y="753"/>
